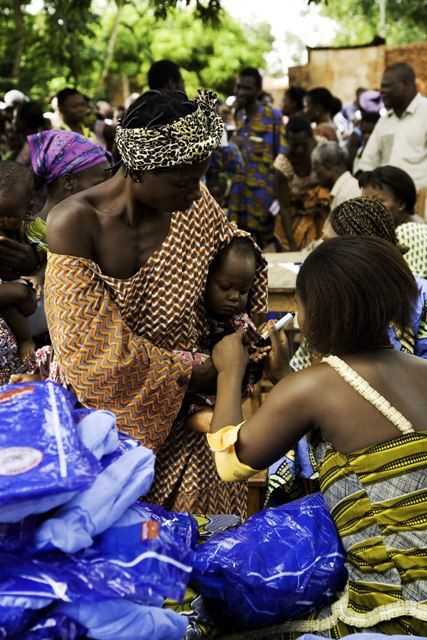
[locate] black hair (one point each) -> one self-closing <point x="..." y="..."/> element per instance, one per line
<point x="403" y="70"/>
<point x="398" y="181"/>
<point x="32" y="114"/>
<point x="62" y="95"/>
<point x="370" y="116"/>
<point x="353" y="289"/>
<point x="322" y="97"/>
<point x="240" y="246"/>
<point x="298" y="123"/>
<point x="14" y="177"/>
<point x="251" y="72"/>
<point x="161" y="72"/>
<point x="156" y="108"/>
<point x="336" y="105"/>
<point x="296" y="94"/>
<point x="363" y="217"/>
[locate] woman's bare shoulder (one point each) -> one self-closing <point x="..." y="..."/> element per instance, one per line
<point x="71" y="226"/>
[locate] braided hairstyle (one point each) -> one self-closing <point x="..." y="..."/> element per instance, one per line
<point x="154" y="109"/>
<point x="363" y="217"/>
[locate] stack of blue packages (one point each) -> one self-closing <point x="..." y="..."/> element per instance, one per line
<point x="79" y="556"/>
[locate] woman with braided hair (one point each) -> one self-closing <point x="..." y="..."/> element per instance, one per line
<point x="127" y="268"/>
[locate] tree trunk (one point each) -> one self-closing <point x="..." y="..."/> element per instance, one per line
<point x="111" y="43"/>
<point x="19" y="37"/>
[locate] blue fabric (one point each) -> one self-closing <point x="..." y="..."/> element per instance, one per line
<point x="417" y="344"/>
<point x="362" y="636"/>
<point x="124" y="620"/>
<point x="92" y="511"/>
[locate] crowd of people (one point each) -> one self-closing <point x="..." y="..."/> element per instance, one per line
<point x="133" y="273"/>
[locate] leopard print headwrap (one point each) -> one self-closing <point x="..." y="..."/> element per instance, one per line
<point x="189" y="139"/>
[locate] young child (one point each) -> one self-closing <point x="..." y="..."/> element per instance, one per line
<point x="227" y="297"/>
<point x="18" y="298"/>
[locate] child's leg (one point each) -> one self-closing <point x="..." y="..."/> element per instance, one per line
<point x="19" y="326"/>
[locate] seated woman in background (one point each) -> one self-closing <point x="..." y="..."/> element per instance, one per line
<point x="396" y="189"/>
<point x="365" y="405"/>
<point x="304" y="205"/>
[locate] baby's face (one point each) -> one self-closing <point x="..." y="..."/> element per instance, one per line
<point x="228" y="287"/>
<point x="13" y="209"/>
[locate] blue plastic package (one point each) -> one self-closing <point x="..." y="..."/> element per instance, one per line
<point x="13" y="620"/>
<point x="53" y="626"/>
<point x="42" y="461"/>
<point x="182" y="525"/>
<point x="124" y="620"/>
<point x="145" y="559"/>
<point x="92" y="511"/>
<point x="280" y="564"/>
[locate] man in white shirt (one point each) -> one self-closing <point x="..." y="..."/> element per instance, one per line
<point x="400" y="137"/>
<point x="330" y="166"/>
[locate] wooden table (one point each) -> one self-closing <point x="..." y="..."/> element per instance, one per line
<point x="282" y="281"/>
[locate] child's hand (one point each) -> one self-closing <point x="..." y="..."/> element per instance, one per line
<point x="24" y="377"/>
<point x="36" y="281"/>
<point x="230" y="354"/>
<point x="259" y="354"/>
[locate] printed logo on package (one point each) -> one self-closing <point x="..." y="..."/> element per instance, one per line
<point x="16" y="460"/>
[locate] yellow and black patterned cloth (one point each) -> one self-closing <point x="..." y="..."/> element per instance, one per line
<point x="377" y="497"/>
<point x="414" y="236"/>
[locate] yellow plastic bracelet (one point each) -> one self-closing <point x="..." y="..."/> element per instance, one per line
<point x="228" y="465"/>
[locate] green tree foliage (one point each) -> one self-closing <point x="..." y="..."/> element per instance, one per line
<point x="97" y="45"/>
<point x="209" y="54"/>
<point x="406" y="20"/>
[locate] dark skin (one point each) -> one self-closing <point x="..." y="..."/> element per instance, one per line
<point x="396" y="207"/>
<point x="318" y="397"/>
<point x="300" y="146"/>
<point x="74" y="111"/>
<point x="247" y="91"/>
<point x="397" y="91"/>
<point x="314" y="112"/>
<point x="227" y="289"/>
<point x="99" y="222"/>
<point x="16" y="258"/>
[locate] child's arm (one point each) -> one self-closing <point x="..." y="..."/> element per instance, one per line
<point x="37" y="280"/>
<point x="18" y="295"/>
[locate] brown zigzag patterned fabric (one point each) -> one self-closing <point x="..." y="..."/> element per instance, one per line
<point x="115" y="341"/>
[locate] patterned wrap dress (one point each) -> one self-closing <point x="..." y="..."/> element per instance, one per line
<point x="118" y="344"/>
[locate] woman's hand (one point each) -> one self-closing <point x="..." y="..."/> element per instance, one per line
<point x="230" y="354"/>
<point x="278" y="357"/>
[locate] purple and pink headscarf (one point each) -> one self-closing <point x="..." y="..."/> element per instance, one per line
<point x="55" y="153"/>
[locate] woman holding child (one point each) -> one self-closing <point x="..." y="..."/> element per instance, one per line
<point x="126" y="275"/>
